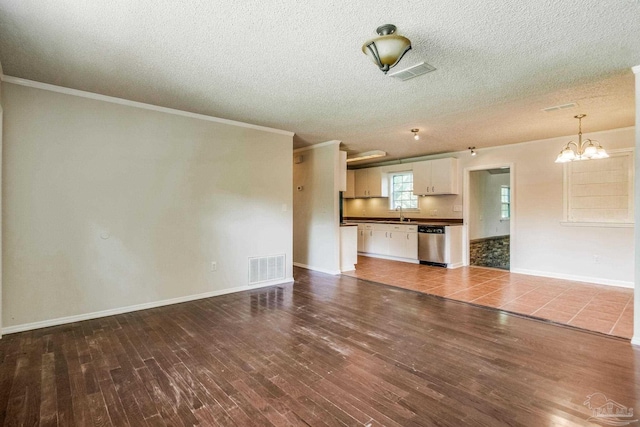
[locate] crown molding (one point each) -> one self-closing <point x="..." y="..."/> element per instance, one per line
<point x="142" y="105"/>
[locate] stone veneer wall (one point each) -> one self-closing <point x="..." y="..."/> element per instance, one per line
<point x="490" y="252"/>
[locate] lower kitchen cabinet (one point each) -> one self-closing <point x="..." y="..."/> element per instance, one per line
<point x="393" y="241"/>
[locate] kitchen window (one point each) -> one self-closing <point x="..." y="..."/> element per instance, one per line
<point x="505" y="202"/>
<point x="401" y="193"/>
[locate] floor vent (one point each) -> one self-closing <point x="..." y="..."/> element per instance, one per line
<point x="264" y="269"/>
<point x="414" y="71"/>
<point x="559" y="107"/>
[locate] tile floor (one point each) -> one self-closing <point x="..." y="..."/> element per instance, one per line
<point x="604" y="309"/>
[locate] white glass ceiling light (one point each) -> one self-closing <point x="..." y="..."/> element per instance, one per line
<point x="388" y="49"/>
<point x="415" y="134"/>
<point x="583" y="150"/>
<point x="473" y="151"/>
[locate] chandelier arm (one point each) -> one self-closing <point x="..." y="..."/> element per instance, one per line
<point x="374" y="51"/>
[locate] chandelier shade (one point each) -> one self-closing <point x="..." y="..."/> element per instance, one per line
<point x="589" y="149"/>
<point x="388" y="49"/>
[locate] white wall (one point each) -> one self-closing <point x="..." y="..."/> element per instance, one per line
<point x="485" y="213"/>
<point x="316" y="223"/>
<point x="540" y="243"/>
<point x="109" y="206"/>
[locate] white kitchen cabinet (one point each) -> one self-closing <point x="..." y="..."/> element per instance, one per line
<point x="403" y="241"/>
<point x="433" y="177"/>
<point x="380" y="244"/>
<point x="397" y="243"/>
<point x="370" y="182"/>
<point x="367" y="241"/>
<point x="351" y="186"/>
<point x="392" y="241"/>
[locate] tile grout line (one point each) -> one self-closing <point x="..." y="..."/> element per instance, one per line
<point x="585" y="306"/>
<point x="555" y="298"/>
<point x="620" y="317"/>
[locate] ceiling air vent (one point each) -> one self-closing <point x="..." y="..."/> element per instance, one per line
<point x="560" y="107"/>
<point x="414" y="71"/>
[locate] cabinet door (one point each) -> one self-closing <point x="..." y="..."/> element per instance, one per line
<point x="361" y="232"/>
<point x="361" y="187"/>
<point x="368" y="241"/>
<point x="380" y="243"/>
<point x="444" y="176"/>
<point x="377" y="187"/>
<point x="397" y="243"/>
<point x="422" y="178"/>
<point x="411" y="246"/>
<point x="351" y="189"/>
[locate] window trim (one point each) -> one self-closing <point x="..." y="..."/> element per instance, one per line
<point x="566" y="185"/>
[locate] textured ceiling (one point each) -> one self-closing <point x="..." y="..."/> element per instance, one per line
<point x="298" y="66"/>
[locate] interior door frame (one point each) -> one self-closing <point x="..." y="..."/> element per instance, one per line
<point x="466" y="206"/>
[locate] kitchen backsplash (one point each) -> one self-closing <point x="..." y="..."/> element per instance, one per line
<point x="430" y="206"/>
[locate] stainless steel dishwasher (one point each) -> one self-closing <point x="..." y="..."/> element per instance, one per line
<point x="431" y="245"/>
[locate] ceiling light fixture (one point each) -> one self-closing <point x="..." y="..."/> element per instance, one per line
<point x="366" y="155"/>
<point x="584" y="150"/>
<point x="415" y="133"/>
<point x="388" y="49"/>
<point x="473" y="151"/>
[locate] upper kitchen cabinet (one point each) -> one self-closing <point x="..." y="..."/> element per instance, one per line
<point x="370" y="182"/>
<point x="351" y="185"/>
<point x="433" y="177"/>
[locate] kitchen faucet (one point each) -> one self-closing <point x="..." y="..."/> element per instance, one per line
<point x="399" y="207"/>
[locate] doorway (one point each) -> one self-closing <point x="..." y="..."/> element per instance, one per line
<point x="490" y="212"/>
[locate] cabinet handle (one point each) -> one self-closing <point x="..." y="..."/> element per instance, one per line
<point x="433" y="189"/>
<point x="385" y="234"/>
<point x="407" y="236"/>
<point x="390" y="235"/>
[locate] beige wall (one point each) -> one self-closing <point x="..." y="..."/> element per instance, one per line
<point x="485" y="205"/>
<point x="316" y="226"/>
<point x="109" y="206"/>
<point x="541" y="245"/>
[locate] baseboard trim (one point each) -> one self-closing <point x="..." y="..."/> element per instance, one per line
<point x="456" y="265"/>
<point x="595" y="280"/>
<point x="137" y="307"/>
<point x="320" y="270"/>
<point x="391" y="258"/>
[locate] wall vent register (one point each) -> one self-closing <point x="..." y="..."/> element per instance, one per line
<point x="264" y="269"/>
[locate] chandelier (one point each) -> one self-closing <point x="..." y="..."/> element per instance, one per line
<point x="588" y="149"/>
<point x="388" y="49"/>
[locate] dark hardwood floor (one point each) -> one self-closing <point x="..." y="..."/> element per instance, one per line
<point x="327" y="351"/>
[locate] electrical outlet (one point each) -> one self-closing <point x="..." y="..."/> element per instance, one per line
<point x="214" y="266"/>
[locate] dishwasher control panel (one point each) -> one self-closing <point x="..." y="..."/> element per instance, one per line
<point x="430" y="229"/>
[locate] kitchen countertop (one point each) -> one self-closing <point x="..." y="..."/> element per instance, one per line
<point x="417" y="221"/>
